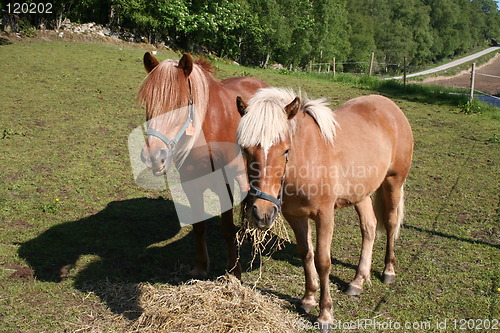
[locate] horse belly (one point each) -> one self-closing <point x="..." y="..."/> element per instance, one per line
<point x="355" y="182"/>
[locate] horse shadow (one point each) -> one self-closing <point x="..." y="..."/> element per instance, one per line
<point x="126" y="243"/>
<point x="129" y="242"/>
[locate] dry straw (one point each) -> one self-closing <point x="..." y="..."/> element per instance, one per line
<point x="223" y="305"/>
<point x="264" y="242"/>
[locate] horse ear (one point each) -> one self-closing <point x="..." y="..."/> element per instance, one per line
<point x="292" y="108"/>
<point x="150" y="62"/>
<point x="186" y="64"/>
<point x="242" y="106"/>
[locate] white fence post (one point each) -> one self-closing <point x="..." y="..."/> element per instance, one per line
<point x="472" y="77"/>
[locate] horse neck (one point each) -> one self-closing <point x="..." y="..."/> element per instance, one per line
<point x="306" y="130"/>
<point x="221" y="117"/>
<point x="308" y="148"/>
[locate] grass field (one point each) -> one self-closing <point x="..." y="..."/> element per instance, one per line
<point x="73" y="222"/>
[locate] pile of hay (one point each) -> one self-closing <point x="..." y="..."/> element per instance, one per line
<point x="223" y="305"/>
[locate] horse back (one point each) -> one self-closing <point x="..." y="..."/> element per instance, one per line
<point x="245" y="86"/>
<point x="222" y="116"/>
<point x="374" y="120"/>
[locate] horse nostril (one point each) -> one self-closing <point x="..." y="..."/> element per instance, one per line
<point x="254" y="212"/>
<point x="275" y="211"/>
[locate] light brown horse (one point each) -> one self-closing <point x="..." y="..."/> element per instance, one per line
<point x="190" y="113"/>
<point x="313" y="161"/>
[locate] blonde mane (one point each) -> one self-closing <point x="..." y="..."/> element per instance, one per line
<point x="266" y="123"/>
<point x="161" y="93"/>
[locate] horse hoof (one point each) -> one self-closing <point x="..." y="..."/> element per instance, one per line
<point x="307" y="307"/>
<point x="389" y="278"/>
<point x="324" y="326"/>
<point x="197" y="273"/>
<point x="354" y="291"/>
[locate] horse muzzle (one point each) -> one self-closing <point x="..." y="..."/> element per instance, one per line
<point x="158" y="161"/>
<point x="264" y="213"/>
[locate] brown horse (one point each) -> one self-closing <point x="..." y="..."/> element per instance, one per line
<point x="192" y="121"/>
<point x="313" y="161"/>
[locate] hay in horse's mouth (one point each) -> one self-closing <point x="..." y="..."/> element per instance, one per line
<point x="264" y="241"/>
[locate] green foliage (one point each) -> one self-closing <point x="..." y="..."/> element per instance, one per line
<point x="26" y="29"/>
<point x="494" y="139"/>
<point x="295" y="32"/>
<point x="471" y="107"/>
<point x="8" y="133"/>
<point x="50" y="207"/>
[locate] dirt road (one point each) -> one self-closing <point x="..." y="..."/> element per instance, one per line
<point x="487" y="78"/>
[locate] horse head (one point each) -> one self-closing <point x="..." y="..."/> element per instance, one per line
<point x="266" y="144"/>
<point x="168" y="98"/>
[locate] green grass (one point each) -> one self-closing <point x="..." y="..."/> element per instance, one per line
<point x="72" y="218"/>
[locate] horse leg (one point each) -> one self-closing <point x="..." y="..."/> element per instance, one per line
<point x="368" y="225"/>
<point x="201" y="260"/>
<point x="393" y="199"/>
<point x="324" y="233"/>
<point x="227" y="225"/>
<point x="229" y="234"/>
<point x="302" y="231"/>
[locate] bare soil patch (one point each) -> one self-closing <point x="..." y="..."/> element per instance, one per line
<point x="20" y="272"/>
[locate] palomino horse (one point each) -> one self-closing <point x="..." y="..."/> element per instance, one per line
<point x="184" y="102"/>
<point x="312" y="161"/>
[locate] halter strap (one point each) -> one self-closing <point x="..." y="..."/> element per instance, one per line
<point x="278" y="201"/>
<point x="172" y="143"/>
<point x="262" y="195"/>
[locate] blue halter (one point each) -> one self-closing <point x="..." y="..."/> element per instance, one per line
<point x="278" y="201"/>
<point x="172" y="143"/>
<point x="264" y="196"/>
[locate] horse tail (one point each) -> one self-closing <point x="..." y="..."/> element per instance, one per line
<point x="382" y="212"/>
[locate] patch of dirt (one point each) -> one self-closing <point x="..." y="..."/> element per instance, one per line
<point x="18" y="224"/>
<point x="487" y="84"/>
<point x="21" y="272"/>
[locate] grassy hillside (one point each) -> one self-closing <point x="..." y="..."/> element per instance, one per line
<point x="73" y="222"/>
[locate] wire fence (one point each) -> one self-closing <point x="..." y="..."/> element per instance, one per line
<point x="486" y="97"/>
<point x="357" y="68"/>
<point x="383" y="69"/>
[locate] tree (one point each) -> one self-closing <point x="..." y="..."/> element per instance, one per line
<point x="362" y="31"/>
<point x="331" y="30"/>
